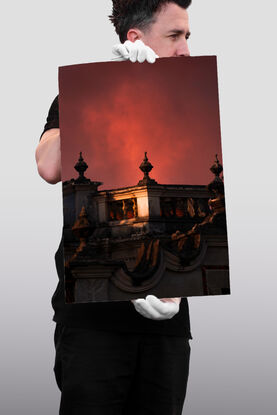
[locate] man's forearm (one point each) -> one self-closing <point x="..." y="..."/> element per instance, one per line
<point x="48" y="156"/>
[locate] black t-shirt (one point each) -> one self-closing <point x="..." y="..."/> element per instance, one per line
<point x="114" y="315"/>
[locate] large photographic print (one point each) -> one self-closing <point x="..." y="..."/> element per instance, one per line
<point x="142" y="177"/>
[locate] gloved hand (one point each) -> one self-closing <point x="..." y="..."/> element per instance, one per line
<point x="157" y="309"/>
<point x="135" y="51"/>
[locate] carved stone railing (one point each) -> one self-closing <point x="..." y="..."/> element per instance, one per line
<point x="122" y="209"/>
<point x="181" y="207"/>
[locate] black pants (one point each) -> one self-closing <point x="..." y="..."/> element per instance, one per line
<point x="111" y="373"/>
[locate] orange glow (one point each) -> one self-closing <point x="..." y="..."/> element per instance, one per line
<point x="114" y="112"/>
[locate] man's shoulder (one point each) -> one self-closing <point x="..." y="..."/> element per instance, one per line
<point x="52" y="120"/>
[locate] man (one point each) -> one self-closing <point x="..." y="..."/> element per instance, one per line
<point x="119" y="357"/>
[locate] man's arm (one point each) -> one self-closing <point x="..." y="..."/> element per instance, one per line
<point x="48" y="153"/>
<point x="48" y="156"/>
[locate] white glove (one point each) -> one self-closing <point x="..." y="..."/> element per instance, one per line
<point x="157" y="309"/>
<point x="135" y="51"/>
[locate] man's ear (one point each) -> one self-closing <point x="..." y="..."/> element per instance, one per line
<point x="134" y="34"/>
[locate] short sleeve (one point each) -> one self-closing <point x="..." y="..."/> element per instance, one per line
<point x="52" y="120"/>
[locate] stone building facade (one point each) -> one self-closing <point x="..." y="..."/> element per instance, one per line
<point x="163" y="239"/>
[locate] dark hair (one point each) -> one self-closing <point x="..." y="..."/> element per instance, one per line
<point x="137" y="13"/>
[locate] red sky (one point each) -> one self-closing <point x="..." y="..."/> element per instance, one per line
<point x="115" y="111"/>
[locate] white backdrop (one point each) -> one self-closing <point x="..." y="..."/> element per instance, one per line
<point x="233" y="358"/>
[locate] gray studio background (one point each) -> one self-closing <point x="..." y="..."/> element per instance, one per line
<point x="233" y="352"/>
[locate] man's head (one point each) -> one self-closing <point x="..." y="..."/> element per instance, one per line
<point x="161" y="24"/>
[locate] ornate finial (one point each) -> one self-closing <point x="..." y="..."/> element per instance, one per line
<point x="217" y="184"/>
<point x="216" y="168"/>
<point x="146" y="167"/>
<point x="81" y="166"/>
